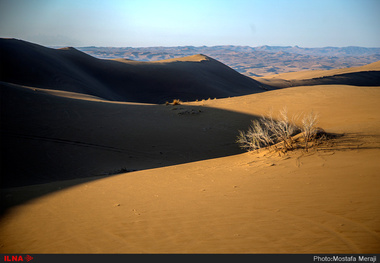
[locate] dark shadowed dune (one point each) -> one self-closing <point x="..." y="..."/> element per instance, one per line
<point x="47" y="137"/>
<point x="67" y="69"/>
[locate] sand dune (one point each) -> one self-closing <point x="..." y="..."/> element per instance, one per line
<point x="324" y="201"/>
<point x="312" y="74"/>
<point x="368" y="75"/>
<point x="80" y="135"/>
<point x="82" y="174"/>
<point x="68" y="69"/>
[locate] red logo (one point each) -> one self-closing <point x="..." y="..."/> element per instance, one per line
<point x="28" y="258"/>
<point x="16" y="258"/>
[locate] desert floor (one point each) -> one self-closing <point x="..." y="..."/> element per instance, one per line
<point x="326" y="200"/>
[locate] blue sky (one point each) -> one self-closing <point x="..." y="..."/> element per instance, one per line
<point x="142" y="23"/>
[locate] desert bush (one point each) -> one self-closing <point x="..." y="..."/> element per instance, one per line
<point x="309" y="129"/>
<point x="281" y="129"/>
<point x="177" y="102"/>
<point x="279" y="133"/>
<point x="255" y="138"/>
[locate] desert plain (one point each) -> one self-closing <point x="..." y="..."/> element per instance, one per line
<point x="94" y="161"/>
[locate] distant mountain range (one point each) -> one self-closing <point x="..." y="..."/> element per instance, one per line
<point x="252" y="61"/>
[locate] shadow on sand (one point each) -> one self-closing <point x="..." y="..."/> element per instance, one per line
<point x="63" y="142"/>
<point x="49" y="143"/>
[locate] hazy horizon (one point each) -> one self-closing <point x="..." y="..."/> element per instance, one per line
<point x="195" y="46"/>
<point x="148" y="23"/>
<point x="209" y="46"/>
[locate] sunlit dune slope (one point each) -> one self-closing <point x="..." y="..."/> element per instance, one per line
<point x="368" y="75"/>
<point x="67" y="69"/>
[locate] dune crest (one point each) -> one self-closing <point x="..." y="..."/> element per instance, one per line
<point x="68" y="69"/>
<point x="193" y="58"/>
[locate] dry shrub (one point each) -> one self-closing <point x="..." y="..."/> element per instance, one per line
<point x="281" y="129"/>
<point x="309" y="129"/>
<point x="177" y="102"/>
<point x="255" y="138"/>
<point x="279" y="133"/>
